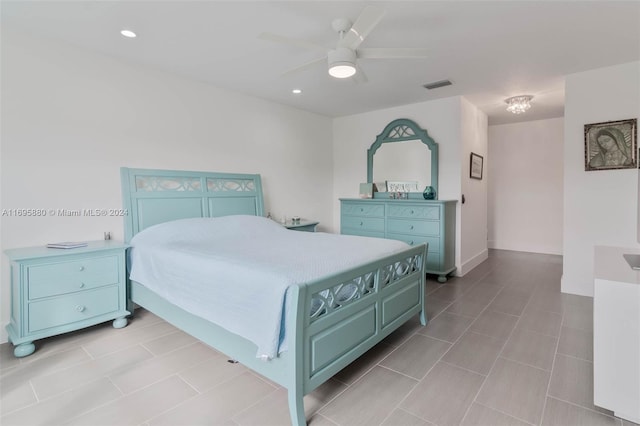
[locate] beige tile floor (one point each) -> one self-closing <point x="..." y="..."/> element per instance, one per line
<point x="503" y="347"/>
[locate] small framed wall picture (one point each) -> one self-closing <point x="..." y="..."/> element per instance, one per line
<point x="475" y="167"/>
<point x="610" y="145"/>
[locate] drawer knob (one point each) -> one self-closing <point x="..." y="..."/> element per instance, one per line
<point x="410" y="243"/>
<point x="81" y="285"/>
<point x="80" y="308"/>
<point x="81" y="268"/>
<point x="411" y="211"/>
<point x="361" y="223"/>
<point x="411" y="227"/>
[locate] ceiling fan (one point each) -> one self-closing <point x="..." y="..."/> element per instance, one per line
<point x="343" y="59"/>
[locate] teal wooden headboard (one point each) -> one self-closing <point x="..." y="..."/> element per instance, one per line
<point x="156" y="196"/>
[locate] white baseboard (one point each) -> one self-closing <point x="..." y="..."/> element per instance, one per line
<point x="472" y="263"/>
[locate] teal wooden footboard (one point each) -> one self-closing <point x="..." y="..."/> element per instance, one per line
<point x="325" y="333"/>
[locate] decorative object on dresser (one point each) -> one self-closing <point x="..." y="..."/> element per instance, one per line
<point x="366" y="190"/>
<point x="56" y="291"/>
<point x="406" y="216"/>
<point x="476" y="166"/>
<point x="610" y="145"/>
<point x="429" y="193"/>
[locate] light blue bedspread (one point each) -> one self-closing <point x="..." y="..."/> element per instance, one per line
<point x="235" y="270"/>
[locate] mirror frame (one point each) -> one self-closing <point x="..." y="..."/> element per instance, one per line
<point x="401" y="130"/>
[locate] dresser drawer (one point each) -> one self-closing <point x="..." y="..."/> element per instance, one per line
<point x="406" y="226"/>
<point x="413" y="240"/>
<point x="362" y="233"/>
<point x="414" y="211"/>
<point x="66" y="277"/>
<point x="363" y="223"/>
<point x="363" y="209"/>
<point x="72" y="308"/>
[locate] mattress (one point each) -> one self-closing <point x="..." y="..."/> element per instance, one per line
<point x="235" y="271"/>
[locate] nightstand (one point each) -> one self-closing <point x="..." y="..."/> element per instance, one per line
<point x="301" y="225"/>
<point x="54" y="291"/>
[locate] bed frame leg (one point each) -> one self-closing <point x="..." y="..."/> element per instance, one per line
<point x="423" y="317"/>
<point x="296" y="408"/>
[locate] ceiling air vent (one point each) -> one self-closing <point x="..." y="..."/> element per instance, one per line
<point x="437" y="84"/>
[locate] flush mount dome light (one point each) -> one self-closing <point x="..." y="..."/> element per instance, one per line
<point x="519" y="104"/>
<point x="342" y="62"/>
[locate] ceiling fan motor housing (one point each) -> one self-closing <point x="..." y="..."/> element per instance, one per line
<point x="342" y="62"/>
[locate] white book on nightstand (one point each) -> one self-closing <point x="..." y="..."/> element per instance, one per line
<point x="67" y="244"/>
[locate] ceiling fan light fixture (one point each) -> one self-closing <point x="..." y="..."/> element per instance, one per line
<point x="518" y="104"/>
<point x="342" y="62"/>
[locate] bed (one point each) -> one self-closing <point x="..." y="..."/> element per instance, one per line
<point x="330" y="319"/>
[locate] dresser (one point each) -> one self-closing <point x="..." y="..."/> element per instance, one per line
<point x="413" y="221"/>
<point x="55" y="291"/>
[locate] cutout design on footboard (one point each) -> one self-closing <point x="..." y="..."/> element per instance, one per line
<point x="391" y="273"/>
<point x="331" y="299"/>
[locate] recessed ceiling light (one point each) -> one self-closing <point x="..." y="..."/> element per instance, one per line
<point x="296" y="91"/>
<point x="128" y="33"/>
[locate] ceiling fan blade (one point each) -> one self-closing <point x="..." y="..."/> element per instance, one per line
<point x="383" y="53"/>
<point x="292" y="41"/>
<point x="366" y="22"/>
<point x="304" y="66"/>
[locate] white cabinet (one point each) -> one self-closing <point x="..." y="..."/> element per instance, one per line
<point x="616" y="334"/>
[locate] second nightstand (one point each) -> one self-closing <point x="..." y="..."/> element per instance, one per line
<point x="54" y="291"/>
<point x="301" y="225"/>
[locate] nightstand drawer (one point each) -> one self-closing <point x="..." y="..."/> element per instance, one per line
<point x="414" y="211"/>
<point x="419" y="227"/>
<point x="66" y="277"/>
<point x="363" y="209"/>
<point x="364" y="223"/>
<point x="72" y="308"/>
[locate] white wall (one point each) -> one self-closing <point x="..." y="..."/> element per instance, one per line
<point x="600" y="207"/>
<point x="453" y="123"/>
<point x="526" y="186"/>
<point x="473" y="213"/>
<point x="71" y="119"/>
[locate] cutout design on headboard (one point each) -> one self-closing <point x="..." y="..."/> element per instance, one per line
<point x="154" y="196"/>
<point x="237" y="185"/>
<point x="162" y="183"/>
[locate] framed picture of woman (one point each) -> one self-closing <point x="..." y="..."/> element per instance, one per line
<point x="611" y="145"/>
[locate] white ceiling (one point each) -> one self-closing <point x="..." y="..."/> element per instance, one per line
<point x="490" y="50"/>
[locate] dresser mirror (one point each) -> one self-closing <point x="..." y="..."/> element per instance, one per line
<point x="403" y="152"/>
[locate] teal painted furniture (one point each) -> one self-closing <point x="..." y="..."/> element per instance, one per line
<point x="302" y="225"/>
<point x="412" y="221"/>
<point x="321" y="342"/>
<point x="54" y="291"/>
